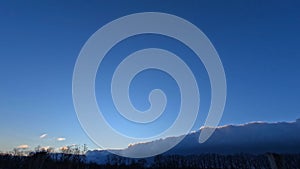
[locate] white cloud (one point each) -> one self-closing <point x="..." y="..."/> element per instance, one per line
<point x="43" y="136"/>
<point x="24" y="146"/>
<point x="64" y="148"/>
<point x="61" y="139"/>
<point x="45" y="147"/>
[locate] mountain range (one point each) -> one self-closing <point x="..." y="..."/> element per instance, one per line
<point x="253" y="138"/>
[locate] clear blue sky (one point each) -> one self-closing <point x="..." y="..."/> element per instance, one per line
<point x="258" y="43"/>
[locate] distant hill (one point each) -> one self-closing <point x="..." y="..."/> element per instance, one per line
<point x="254" y="138"/>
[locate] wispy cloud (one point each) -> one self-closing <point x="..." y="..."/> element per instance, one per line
<point x="24" y="146"/>
<point x="43" y="136"/>
<point x="61" y="139"/>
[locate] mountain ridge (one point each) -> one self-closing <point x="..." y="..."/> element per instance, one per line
<point x="253" y="137"/>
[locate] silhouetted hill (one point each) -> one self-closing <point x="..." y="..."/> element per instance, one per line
<point x="254" y="138"/>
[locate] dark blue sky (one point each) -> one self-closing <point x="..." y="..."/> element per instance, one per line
<point x="257" y="41"/>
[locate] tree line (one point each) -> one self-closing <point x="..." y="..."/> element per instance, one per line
<point x="48" y="160"/>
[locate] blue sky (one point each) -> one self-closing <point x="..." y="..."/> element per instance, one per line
<point x="258" y="44"/>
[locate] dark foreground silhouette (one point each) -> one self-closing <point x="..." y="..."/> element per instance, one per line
<point x="44" y="160"/>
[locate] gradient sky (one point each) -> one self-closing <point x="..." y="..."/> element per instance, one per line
<point x="258" y="44"/>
